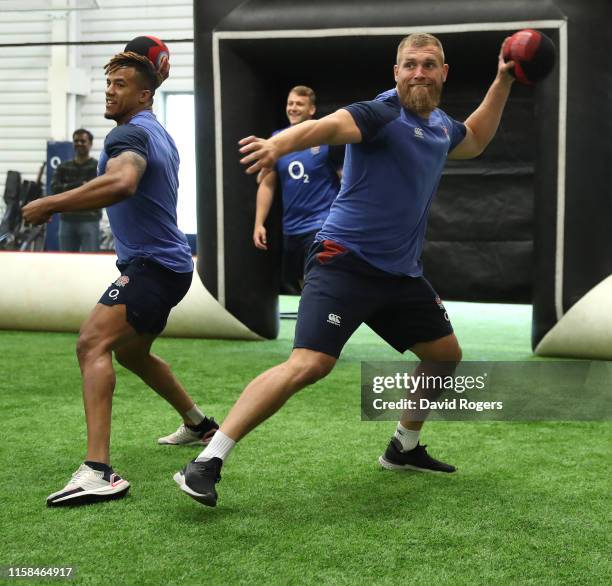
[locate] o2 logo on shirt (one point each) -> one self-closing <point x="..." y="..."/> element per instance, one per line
<point x="296" y="171"/>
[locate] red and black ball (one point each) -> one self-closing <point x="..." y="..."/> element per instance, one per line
<point x="151" y="47"/>
<point x="533" y="54"/>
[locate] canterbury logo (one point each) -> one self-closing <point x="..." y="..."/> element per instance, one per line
<point x="418" y="132"/>
<point x="333" y="319"/>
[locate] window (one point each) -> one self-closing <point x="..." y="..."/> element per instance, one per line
<point x="179" y="120"/>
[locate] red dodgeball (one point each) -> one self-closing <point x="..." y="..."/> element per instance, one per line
<point x="533" y="54"/>
<point x="155" y="50"/>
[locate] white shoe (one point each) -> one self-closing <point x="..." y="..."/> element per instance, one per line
<point x="89" y="486"/>
<point x="186" y="436"/>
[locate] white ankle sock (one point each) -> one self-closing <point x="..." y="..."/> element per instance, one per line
<point x="219" y="447"/>
<point x="407" y="437"/>
<point x="194" y="415"/>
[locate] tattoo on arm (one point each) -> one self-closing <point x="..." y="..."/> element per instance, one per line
<point x="135" y="160"/>
<point x="129" y="166"/>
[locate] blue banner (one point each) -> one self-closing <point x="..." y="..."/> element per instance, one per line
<point x="58" y="151"/>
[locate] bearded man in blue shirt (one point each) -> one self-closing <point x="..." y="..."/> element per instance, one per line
<point x="366" y="267"/>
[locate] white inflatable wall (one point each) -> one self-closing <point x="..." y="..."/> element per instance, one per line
<point x="585" y="331"/>
<point x="54" y="292"/>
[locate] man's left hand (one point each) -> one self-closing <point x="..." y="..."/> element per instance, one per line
<point x="504" y="67"/>
<point x="36" y="212"/>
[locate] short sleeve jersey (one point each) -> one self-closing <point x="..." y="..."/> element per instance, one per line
<point x="145" y="224"/>
<point x="309" y="184"/>
<point x="388" y="182"/>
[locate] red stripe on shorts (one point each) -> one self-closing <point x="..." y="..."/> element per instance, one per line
<point x="330" y="249"/>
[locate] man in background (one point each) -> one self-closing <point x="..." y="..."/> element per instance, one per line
<point x="79" y="231"/>
<point x="309" y="182"/>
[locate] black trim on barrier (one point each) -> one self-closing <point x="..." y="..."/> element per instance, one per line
<point x="588" y="210"/>
<point x="545" y="206"/>
<point x="205" y="167"/>
<point x="313" y="14"/>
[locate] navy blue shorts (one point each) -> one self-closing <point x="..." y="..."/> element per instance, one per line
<point x="149" y="291"/>
<point x="295" y="252"/>
<point x="343" y="291"/>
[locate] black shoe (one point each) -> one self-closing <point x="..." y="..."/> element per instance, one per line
<point x="417" y="459"/>
<point x="206" y="429"/>
<point x="187" y="435"/>
<point x="198" y="480"/>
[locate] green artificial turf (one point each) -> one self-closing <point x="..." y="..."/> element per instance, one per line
<point x="302" y="500"/>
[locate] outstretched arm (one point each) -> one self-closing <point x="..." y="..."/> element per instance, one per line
<point x="482" y="124"/>
<point x="119" y="182"/>
<point x="337" y="128"/>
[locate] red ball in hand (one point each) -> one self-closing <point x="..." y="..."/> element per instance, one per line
<point x="533" y="54"/>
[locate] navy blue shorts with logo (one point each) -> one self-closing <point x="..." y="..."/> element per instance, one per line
<point x="342" y="291"/>
<point x="149" y="291"/>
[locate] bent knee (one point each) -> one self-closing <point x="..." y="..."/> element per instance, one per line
<point x="90" y="346"/>
<point x="85" y="346"/>
<point x="456" y="354"/>
<point x="308" y="370"/>
<point x="316" y="372"/>
<point x="451" y="354"/>
<point x="442" y="350"/>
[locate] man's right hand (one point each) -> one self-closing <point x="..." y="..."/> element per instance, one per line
<point x="260" y="154"/>
<point x="37" y="211"/>
<point x="164" y="68"/>
<point x="260" y="238"/>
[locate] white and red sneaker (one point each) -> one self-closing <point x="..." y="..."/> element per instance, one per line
<point x="90" y="486"/>
<point x="187" y="435"/>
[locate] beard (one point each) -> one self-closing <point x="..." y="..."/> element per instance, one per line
<point x="420" y="99"/>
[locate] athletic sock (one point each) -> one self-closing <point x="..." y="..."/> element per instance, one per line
<point x="219" y="447"/>
<point x="409" y="438"/>
<point x="194" y="415"/>
<point x="99" y="466"/>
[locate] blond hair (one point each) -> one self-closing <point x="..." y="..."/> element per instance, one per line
<point x="419" y="40"/>
<point x="304" y="90"/>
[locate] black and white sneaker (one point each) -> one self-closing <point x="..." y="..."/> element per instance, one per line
<point x="90" y="486"/>
<point x="198" y="480"/>
<point x="417" y="459"/>
<point x="187" y="435"/>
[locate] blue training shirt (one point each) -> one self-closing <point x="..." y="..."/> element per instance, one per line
<point x="388" y="182"/>
<point x="145" y="224"/>
<point x="309" y="184"/>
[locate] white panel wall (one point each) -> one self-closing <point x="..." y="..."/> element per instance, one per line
<point x="122" y="20"/>
<point x="24" y="100"/>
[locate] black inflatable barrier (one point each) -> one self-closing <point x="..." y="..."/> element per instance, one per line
<point x="527" y="221"/>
